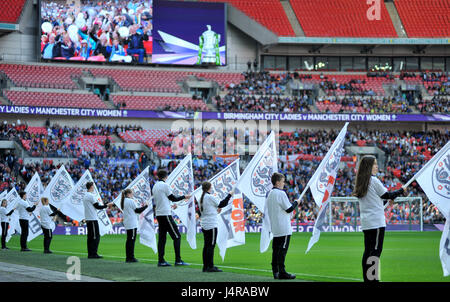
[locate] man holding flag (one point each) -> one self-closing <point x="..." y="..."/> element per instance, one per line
<point x="91" y="205"/>
<point x="162" y="196"/>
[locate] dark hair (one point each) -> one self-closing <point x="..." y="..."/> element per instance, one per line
<point x="206" y="185"/>
<point x="44" y="199"/>
<point x="276" y="177"/>
<point x="363" y="175"/>
<point x="89" y="184"/>
<point x="161" y="174"/>
<point x="122" y="200"/>
<point x="22" y="194"/>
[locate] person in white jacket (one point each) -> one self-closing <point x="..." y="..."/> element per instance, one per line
<point x="47" y="214"/>
<point x="279" y="210"/>
<point x="4" y="220"/>
<point x="209" y="207"/>
<point x="25" y="209"/>
<point x="130" y="212"/>
<point x="370" y="192"/>
<point x="91" y="205"/>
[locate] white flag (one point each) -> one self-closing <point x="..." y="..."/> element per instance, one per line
<point x="323" y="183"/>
<point x="434" y="180"/>
<point x="142" y="195"/>
<point x="73" y="206"/>
<point x="34" y="192"/>
<point x="59" y="187"/>
<point x="444" y="249"/>
<point x="181" y="182"/>
<point x="147" y="228"/>
<point x="255" y="181"/>
<point x="266" y="232"/>
<point x="141" y="190"/>
<point x="12" y="198"/>
<point x="230" y="230"/>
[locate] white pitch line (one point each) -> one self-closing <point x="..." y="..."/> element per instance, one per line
<point x="221" y="266"/>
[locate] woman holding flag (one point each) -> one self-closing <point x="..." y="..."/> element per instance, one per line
<point x="370" y="192"/>
<point x="47" y="213"/>
<point x="209" y="207"/>
<point x="130" y="222"/>
<point x="25" y="208"/>
<point x="4" y="219"/>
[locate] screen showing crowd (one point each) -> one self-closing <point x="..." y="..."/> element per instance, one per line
<point x="102" y="31"/>
<point x="134" y="31"/>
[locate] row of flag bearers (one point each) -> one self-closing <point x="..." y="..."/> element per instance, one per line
<point x="220" y="206"/>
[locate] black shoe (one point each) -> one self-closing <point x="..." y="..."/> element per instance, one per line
<point x="276" y="275"/>
<point x="25" y="250"/>
<point x="5" y="248"/>
<point x="214" y="270"/>
<point x="48" y="252"/>
<point x="95" y="257"/>
<point x="181" y="263"/>
<point x="165" y="263"/>
<point x="131" y="260"/>
<point x="286" y="276"/>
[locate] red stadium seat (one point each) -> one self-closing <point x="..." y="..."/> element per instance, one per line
<point x="331" y="18"/>
<point x="425" y="19"/>
<point x="269" y="13"/>
<point x="11" y="10"/>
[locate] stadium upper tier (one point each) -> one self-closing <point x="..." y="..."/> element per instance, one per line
<point x="349" y="18"/>
<point x="421" y="19"/>
<point x="331" y="18"/>
<point x="269" y="13"/>
<point x="138" y="89"/>
<point x="11" y="10"/>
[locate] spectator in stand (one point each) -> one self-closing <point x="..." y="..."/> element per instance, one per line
<point x="136" y="43"/>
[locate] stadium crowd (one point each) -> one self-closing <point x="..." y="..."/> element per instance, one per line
<point x="405" y="153"/>
<point x="263" y="91"/>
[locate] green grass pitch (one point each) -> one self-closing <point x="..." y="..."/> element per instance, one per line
<point x="406" y="257"/>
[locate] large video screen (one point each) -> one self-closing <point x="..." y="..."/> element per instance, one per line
<point x="189" y="33"/>
<point x="134" y="31"/>
<point x="102" y="31"/>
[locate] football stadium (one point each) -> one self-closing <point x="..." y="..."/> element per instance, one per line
<point x="225" y="140"/>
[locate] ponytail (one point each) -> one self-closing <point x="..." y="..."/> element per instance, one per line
<point x="205" y="188"/>
<point x="122" y="200"/>
<point x="201" y="201"/>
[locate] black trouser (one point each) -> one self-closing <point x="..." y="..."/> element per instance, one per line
<point x="129" y="245"/>
<point x="167" y="225"/>
<point x="47" y="238"/>
<point x="5" y="226"/>
<point x="373" y="245"/>
<point x="23" y="233"/>
<point x="280" y="247"/>
<point x="93" y="237"/>
<point x="210" y="239"/>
